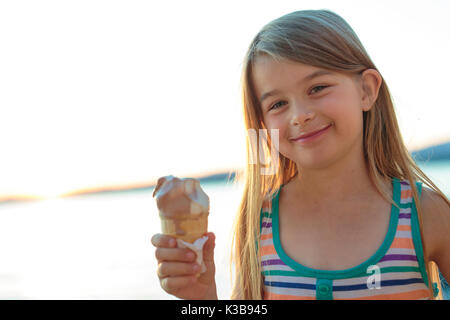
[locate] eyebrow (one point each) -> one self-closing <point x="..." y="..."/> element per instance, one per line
<point x="309" y="77"/>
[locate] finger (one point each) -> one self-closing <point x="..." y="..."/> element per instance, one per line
<point x="163" y="241"/>
<point x="174" y="254"/>
<point x="173" y="269"/>
<point x="172" y="284"/>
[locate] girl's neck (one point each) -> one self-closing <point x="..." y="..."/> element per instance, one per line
<point x="345" y="180"/>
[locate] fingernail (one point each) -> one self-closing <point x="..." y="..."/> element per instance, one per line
<point x="172" y="242"/>
<point x="196" y="267"/>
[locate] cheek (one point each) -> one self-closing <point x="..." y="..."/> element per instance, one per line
<point x="342" y="110"/>
<point x="283" y="132"/>
<point x="333" y="105"/>
<point x="276" y="123"/>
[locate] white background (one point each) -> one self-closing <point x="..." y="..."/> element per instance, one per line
<point x="96" y="93"/>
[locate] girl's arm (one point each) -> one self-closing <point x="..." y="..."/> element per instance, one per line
<point x="436" y="229"/>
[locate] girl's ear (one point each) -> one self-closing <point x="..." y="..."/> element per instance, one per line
<point x="371" y="82"/>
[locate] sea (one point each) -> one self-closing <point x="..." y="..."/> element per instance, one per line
<point x="98" y="246"/>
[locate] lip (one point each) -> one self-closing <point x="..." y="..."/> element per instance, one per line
<point x="312" y="135"/>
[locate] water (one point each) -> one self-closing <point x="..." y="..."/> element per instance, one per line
<point x="439" y="173"/>
<point x="98" y="246"/>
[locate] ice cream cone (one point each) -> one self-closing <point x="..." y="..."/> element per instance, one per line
<point x="183" y="208"/>
<point x="189" y="229"/>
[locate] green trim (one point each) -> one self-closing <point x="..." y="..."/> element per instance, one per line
<point x="360" y="269"/>
<point x="324" y="289"/>
<point x="417" y="240"/>
<point x="264" y="214"/>
<point x="404" y="205"/>
<point x="382" y="270"/>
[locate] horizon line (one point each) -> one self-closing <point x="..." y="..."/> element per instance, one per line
<point x="222" y="175"/>
<point x="205" y="177"/>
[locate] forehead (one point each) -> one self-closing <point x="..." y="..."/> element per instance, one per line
<point x="269" y="74"/>
<point x="266" y="65"/>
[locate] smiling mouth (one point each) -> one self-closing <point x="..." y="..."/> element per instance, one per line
<point x="310" y="134"/>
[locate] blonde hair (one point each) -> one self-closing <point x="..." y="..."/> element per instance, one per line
<point x="322" y="39"/>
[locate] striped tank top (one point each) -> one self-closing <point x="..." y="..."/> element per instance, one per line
<point x="395" y="271"/>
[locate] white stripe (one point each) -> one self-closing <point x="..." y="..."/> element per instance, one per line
<point x="270" y="257"/>
<point x="405" y="187"/>
<point x="350" y="281"/>
<point x="398" y="263"/>
<point x="403" y="234"/>
<point x="400" y="275"/>
<point x="266" y="242"/>
<point x="401" y="251"/>
<point x="404" y="222"/>
<point x="289" y="279"/>
<point x="383" y="276"/>
<point x="405" y="210"/>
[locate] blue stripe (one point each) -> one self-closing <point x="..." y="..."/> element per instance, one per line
<point x="400" y="282"/>
<point x="385" y="283"/>
<point x="290" y="285"/>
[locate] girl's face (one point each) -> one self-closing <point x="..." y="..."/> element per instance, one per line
<point x="299" y="99"/>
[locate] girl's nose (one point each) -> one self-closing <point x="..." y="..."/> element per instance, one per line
<point x="300" y="115"/>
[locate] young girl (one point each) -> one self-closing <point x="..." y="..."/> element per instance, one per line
<point x="343" y="214"/>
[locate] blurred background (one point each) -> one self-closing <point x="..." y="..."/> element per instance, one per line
<point x="100" y="98"/>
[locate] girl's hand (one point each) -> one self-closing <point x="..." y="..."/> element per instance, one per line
<point x="177" y="270"/>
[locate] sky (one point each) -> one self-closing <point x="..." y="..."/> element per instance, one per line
<point x="98" y="93"/>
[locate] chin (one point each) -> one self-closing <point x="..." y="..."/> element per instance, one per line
<point x="315" y="166"/>
<point x="315" y="162"/>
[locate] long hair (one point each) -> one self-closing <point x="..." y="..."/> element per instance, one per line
<point x="322" y="39"/>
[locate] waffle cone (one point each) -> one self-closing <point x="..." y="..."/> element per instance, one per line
<point x="187" y="229"/>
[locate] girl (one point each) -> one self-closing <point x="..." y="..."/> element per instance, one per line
<point x="343" y="215"/>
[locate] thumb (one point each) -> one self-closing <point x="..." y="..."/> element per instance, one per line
<point x="208" y="249"/>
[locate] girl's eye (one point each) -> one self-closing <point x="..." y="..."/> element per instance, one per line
<point x="320" y="87"/>
<point x="313" y="90"/>
<point x="276" y="105"/>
